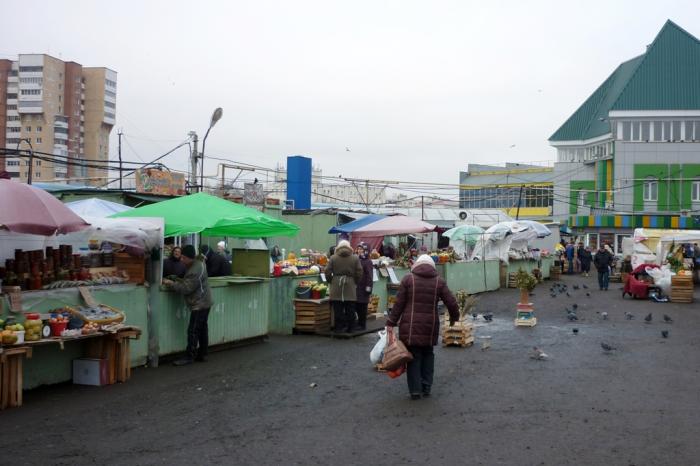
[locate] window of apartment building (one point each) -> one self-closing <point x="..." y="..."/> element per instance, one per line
<point x="31" y="80"/>
<point x="110" y="93"/>
<point x="31" y="69"/>
<point x="12" y="96"/>
<point x="13" y="129"/>
<point x="646" y="130"/>
<point x="13" y="118"/>
<point x="60" y="86"/>
<point x="695" y="192"/>
<point x="656" y="134"/>
<point x="28" y="129"/>
<point x="38" y="163"/>
<point x="60" y="98"/>
<point x="651" y="190"/>
<point x="13" y="163"/>
<point x="110" y="105"/>
<point x="636" y="130"/>
<point x="12" y="107"/>
<point x="626" y="130"/>
<point x="30" y="91"/>
<point x="38" y="129"/>
<point x="38" y="140"/>
<point x="666" y="135"/>
<point x="37" y="174"/>
<point x="12" y="140"/>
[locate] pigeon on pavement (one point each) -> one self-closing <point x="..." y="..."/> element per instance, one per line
<point x="538" y="355"/>
<point x="664" y="333"/>
<point x="667" y="319"/>
<point x="585" y="287"/>
<point x="607" y="348"/>
<point x="629" y="315"/>
<point x="647" y="319"/>
<point x="605" y="315"/>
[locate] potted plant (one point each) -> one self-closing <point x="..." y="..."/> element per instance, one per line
<point x="526" y="282"/>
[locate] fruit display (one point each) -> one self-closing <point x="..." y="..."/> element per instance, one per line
<point x="90" y="328"/>
<point x="8" y="337"/>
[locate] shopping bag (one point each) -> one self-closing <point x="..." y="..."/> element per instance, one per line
<point x="397" y="372"/>
<point x="378" y="351"/>
<point x="395" y="353"/>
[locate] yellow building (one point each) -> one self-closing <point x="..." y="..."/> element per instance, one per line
<point x="520" y="190"/>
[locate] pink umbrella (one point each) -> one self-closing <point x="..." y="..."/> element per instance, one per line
<point x="394" y="225"/>
<point x="26" y="209"/>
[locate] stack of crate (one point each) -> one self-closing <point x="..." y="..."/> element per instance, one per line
<point x="682" y="289"/>
<point x="312" y="315"/>
<point x="460" y="334"/>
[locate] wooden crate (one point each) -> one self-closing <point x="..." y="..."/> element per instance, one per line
<point x="460" y="334"/>
<point x="135" y="267"/>
<point x="11" y="376"/>
<point x="312" y="315"/>
<point x="682" y="289"/>
<point x="555" y="273"/>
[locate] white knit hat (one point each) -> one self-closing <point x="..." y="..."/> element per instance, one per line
<point x="344" y="244"/>
<point x="221" y="244"/>
<point x="423" y="259"/>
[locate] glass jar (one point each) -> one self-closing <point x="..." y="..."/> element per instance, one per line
<point x="32" y="327"/>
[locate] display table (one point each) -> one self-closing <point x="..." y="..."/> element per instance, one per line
<point x="312" y="315"/>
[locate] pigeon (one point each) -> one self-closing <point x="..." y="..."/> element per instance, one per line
<point x="488" y="317"/>
<point x="667" y="319"/>
<point x="664" y="333"/>
<point x="474" y="316"/>
<point x="567" y="294"/>
<point x="575" y="287"/>
<point x="538" y="355"/>
<point x="585" y="287"/>
<point x="588" y="294"/>
<point x="607" y="348"/>
<point x="629" y="315"/>
<point x="605" y="315"/>
<point x="575" y="306"/>
<point x="575" y="331"/>
<point x="647" y="319"/>
<point x="572" y="317"/>
<point x="553" y="295"/>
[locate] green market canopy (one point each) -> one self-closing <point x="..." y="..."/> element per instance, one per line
<point x="212" y="216"/>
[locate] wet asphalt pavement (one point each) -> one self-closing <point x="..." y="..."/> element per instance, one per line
<point x="254" y="405"/>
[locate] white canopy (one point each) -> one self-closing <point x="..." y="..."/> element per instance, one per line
<point x="95" y="207"/>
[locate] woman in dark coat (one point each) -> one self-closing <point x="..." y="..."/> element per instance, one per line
<point x="415" y="312"/>
<point x="364" y="286"/>
<point x="173" y="266"/>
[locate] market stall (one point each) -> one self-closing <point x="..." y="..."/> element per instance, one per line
<point x="61" y="288"/>
<point x="241" y="308"/>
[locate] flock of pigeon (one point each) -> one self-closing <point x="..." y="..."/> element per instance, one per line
<point x="559" y="288"/>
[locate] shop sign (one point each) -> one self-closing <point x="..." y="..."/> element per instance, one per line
<point x="253" y="194"/>
<point x="160" y="182"/>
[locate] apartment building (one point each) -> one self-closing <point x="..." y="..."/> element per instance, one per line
<point x="58" y="108"/>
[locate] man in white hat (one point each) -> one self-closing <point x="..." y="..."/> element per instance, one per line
<point x="221" y="248"/>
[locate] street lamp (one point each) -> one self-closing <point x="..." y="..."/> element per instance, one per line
<point x="31" y="157"/>
<point x="216" y="116"/>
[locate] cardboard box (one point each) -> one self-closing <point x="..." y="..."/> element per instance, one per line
<point x="90" y="372"/>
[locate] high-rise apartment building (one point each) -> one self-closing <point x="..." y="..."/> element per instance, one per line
<point x="62" y="109"/>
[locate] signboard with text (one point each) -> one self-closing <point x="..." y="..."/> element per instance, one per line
<point x="160" y="182"/>
<point x="253" y="194"/>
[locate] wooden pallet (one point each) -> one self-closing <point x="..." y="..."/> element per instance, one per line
<point x="312" y="315"/>
<point x="459" y="334"/>
<point x="682" y="289"/>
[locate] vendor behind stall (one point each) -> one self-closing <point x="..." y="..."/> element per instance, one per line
<point x="195" y="288"/>
<point x="217" y="265"/>
<point x="173" y="265"/>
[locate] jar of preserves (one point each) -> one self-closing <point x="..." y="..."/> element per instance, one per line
<point x="32" y="327"/>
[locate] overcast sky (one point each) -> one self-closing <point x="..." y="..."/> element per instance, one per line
<point x="416" y="90"/>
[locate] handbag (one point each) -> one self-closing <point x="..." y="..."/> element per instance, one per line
<point x="395" y="354"/>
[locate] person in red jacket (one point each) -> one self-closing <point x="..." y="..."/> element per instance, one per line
<point x="415" y="313"/>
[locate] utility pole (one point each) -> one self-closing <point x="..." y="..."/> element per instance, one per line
<point x="367" y="193"/>
<point x="120" y="158"/>
<point x="193" y="160"/>
<point x="520" y="196"/>
<point x="422" y="208"/>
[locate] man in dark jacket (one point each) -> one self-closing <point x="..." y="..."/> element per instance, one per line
<point x="416" y="314"/>
<point x="344" y="272"/>
<point x="217" y="265"/>
<point x="603" y="260"/>
<point x="585" y="256"/>
<point x="173" y="266"/>
<point x="195" y="288"/>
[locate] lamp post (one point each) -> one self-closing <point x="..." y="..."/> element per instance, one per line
<point x="216" y="116"/>
<point x="31" y="157"/>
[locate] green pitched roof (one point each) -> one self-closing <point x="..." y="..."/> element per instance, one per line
<point x="666" y="77"/>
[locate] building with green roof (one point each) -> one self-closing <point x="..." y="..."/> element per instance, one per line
<point x="629" y="156"/>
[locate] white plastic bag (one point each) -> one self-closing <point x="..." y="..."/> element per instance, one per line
<point x="378" y="351"/>
<point x="662" y="278"/>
